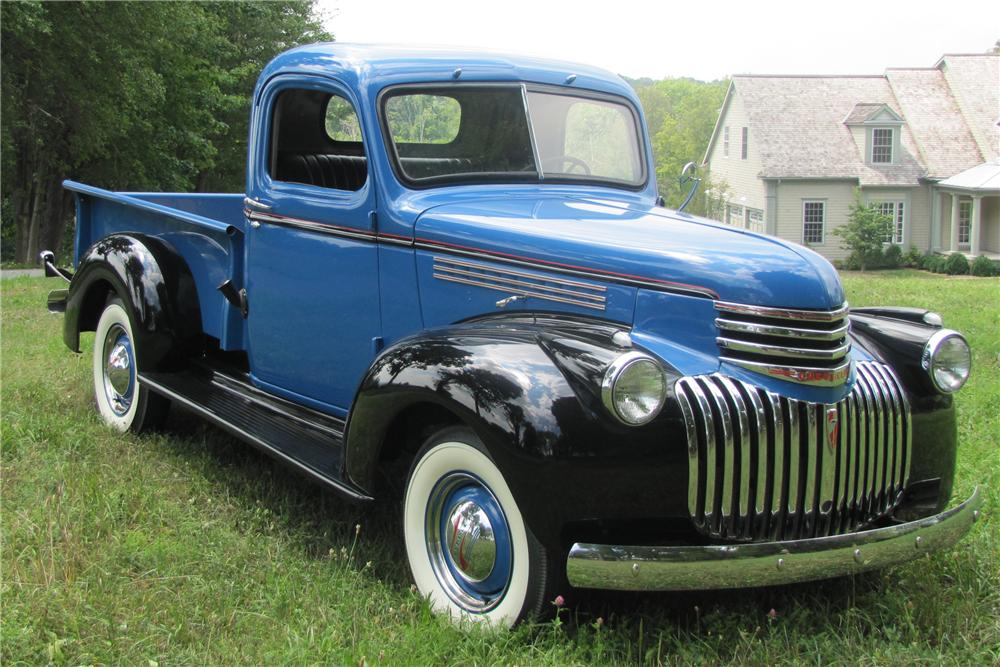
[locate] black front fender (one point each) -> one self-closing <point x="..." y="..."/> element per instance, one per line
<point x="529" y="388"/>
<point x="153" y="280"/>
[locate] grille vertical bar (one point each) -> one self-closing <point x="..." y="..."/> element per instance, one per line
<point x="765" y="466"/>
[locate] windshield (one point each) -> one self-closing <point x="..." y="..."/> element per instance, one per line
<point x="511" y="134"/>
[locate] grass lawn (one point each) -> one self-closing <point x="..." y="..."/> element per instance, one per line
<point x="189" y="548"/>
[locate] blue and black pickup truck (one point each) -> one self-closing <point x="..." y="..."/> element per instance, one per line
<point x="456" y="265"/>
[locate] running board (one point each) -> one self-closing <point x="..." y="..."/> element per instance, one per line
<point x="308" y="440"/>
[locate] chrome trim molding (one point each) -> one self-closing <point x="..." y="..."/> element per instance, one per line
<point x="520" y="283"/>
<point x="309" y="225"/>
<point x="785" y="313"/>
<point x="784" y="332"/>
<point x="647" y="568"/>
<point x="765" y="466"/>
<point x="803" y="346"/>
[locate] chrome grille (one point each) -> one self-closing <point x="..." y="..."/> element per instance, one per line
<point x="804" y="346"/>
<point x="764" y="466"/>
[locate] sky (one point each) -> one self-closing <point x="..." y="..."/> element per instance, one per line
<point x="703" y="39"/>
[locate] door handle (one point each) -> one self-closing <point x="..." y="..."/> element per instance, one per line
<point x="259" y="205"/>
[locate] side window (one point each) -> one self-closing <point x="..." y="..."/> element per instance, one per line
<point x="316" y="140"/>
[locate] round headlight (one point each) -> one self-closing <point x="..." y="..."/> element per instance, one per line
<point x="634" y="388"/>
<point x="947" y="360"/>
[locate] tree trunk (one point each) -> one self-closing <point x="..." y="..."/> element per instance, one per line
<point x="50" y="222"/>
<point x="33" y="221"/>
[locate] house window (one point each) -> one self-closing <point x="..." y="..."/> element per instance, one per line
<point x="735" y="215"/>
<point x="882" y="145"/>
<point x="755" y="218"/>
<point x="964" y="221"/>
<point x="813" y="219"/>
<point x="893" y="209"/>
<point x="725" y="141"/>
<point x="745" y="148"/>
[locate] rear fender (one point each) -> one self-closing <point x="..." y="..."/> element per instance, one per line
<point x="156" y="284"/>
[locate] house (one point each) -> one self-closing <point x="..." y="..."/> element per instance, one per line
<point x="922" y="143"/>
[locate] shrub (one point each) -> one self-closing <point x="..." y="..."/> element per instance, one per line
<point x="913" y="257"/>
<point x="892" y="257"/>
<point x="956" y="264"/>
<point x="983" y="266"/>
<point x="934" y="263"/>
<point x="852" y="263"/>
<point x="865" y="232"/>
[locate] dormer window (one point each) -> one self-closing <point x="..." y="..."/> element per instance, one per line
<point x="882" y="145"/>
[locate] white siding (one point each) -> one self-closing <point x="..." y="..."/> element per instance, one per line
<point x="837" y="195"/>
<point x="740" y="176"/>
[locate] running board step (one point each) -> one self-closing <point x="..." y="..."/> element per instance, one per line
<point x="310" y="441"/>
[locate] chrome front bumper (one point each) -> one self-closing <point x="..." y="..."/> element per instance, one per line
<point x="768" y="563"/>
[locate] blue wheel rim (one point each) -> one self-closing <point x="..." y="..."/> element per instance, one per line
<point x="450" y="492"/>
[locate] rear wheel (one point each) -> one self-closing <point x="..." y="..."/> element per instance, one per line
<point x="470" y="552"/>
<point x="122" y="401"/>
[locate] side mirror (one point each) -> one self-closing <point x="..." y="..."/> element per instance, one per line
<point x="688" y="176"/>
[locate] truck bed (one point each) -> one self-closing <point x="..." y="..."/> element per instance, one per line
<point x="207" y="230"/>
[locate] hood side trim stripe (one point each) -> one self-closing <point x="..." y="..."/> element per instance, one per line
<point x="465" y="251"/>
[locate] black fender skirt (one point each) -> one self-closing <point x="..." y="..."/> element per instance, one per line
<point x="152" y="279"/>
<point x="530" y="388"/>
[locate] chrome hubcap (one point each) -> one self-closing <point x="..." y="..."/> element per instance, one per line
<point x="119" y="370"/>
<point x="471" y="543"/>
<point x="468" y="542"/>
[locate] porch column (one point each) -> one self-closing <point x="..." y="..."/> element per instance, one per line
<point x="976" y="224"/>
<point x="935" y="219"/>
<point x="954" y="222"/>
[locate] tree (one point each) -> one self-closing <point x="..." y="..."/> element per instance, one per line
<point x="680" y="115"/>
<point x="127" y="95"/>
<point x="865" y="232"/>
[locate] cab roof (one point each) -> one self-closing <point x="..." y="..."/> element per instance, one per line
<point x="368" y="66"/>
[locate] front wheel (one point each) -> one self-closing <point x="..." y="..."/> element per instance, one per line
<point x="469" y="550"/>
<point x="122" y="401"/>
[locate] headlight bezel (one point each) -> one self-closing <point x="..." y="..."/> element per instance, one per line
<point x="616" y="371"/>
<point x="932" y="348"/>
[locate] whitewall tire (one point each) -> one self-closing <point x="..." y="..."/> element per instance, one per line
<point x="470" y="552"/>
<point x="122" y="402"/>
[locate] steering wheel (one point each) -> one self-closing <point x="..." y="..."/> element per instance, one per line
<point x="561" y="160"/>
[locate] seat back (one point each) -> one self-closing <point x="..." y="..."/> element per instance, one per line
<point x="340" y="172"/>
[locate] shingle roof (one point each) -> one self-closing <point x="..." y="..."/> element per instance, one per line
<point x="799" y="127"/>
<point x="951" y="115"/>
<point x="975" y="83"/>
<point x="932" y="115"/>
<point x="863" y="112"/>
